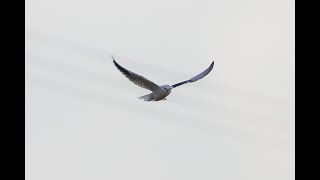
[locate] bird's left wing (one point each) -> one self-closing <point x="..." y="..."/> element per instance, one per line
<point x="197" y="77"/>
<point x="136" y="78"/>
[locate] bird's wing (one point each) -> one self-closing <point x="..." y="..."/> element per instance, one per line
<point x="136" y="78"/>
<point x="197" y="77"/>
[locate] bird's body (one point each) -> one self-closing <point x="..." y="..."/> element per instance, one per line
<point x="158" y="92"/>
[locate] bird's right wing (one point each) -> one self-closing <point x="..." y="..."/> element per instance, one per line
<point x="197" y="77"/>
<point x="136" y="78"/>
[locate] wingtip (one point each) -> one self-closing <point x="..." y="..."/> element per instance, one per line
<point x="212" y="63"/>
<point x="113" y="58"/>
<point x="115" y="62"/>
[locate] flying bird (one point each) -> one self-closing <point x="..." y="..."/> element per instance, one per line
<point x="158" y="92"/>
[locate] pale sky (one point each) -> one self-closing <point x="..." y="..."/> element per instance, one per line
<point x="84" y="120"/>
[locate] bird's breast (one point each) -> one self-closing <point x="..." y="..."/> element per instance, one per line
<point x="161" y="94"/>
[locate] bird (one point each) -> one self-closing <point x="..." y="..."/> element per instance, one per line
<point x="158" y="92"/>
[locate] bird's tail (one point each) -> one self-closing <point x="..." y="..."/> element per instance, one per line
<point x="148" y="97"/>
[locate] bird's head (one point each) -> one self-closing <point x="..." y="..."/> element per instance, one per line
<point x="167" y="87"/>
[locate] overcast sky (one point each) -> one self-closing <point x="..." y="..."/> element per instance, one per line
<point x="84" y="120"/>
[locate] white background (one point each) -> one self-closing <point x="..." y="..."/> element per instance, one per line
<point x="83" y="118"/>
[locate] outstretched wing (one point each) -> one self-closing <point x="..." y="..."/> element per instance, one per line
<point x="197" y="77"/>
<point x="136" y="78"/>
